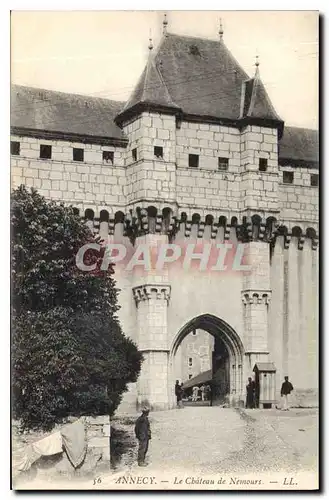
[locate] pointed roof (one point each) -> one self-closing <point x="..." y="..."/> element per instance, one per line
<point x="150" y="88"/>
<point x="200" y="78"/>
<point x="255" y="100"/>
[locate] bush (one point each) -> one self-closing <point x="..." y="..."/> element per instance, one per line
<point x="69" y="355"/>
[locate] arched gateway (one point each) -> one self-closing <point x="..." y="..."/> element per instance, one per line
<point x="231" y="350"/>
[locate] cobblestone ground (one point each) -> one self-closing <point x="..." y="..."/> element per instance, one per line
<point x="224" y="440"/>
<point x="207" y="441"/>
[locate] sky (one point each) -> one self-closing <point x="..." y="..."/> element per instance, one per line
<point x="102" y="53"/>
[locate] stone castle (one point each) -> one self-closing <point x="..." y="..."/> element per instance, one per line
<point x="197" y="154"/>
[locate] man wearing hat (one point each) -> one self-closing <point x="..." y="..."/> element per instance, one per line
<point x="143" y="434"/>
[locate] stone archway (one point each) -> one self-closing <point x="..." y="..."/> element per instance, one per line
<point x="221" y="330"/>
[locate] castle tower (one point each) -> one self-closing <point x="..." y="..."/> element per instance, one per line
<point x="197" y="155"/>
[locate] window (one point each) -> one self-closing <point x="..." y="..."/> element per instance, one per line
<point x="158" y="151"/>
<point x="262" y="164"/>
<point x="288" y="177"/>
<point x="190" y="361"/>
<point x="78" y="154"/>
<point x="45" y="151"/>
<point x="194" y="332"/>
<point x="189" y="376"/>
<point x="134" y="153"/>
<point x="193" y="161"/>
<point x="108" y="157"/>
<point x="314" y="180"/>
<point x="15" y="148"/>
<point x="222" y="163"/>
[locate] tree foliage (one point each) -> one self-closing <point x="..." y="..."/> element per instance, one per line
<point x="69" y="355"/>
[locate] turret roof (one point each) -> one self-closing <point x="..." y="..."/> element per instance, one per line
<point x="200" y="77"/>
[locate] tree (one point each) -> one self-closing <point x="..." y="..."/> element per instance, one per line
<point x="69" y="355"/>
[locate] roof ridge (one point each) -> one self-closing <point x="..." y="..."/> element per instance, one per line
<point x="253" y="95"/>
<point x="13" y="85"/>
<point x="147" y="70"/>
<point x="164" y="84"/>
<point x="301" y="128"/>
<point x="194" y="37"/>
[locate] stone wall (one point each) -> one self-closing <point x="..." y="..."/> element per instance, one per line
<point x="98" y="432"/>
<point x="199" y="348"/>
<point x="88" y="184"/>
<point x="149" y="176"/>
<point x="299" y="201"/>
<point x="168" y="181"/>
<point x="98" y="185"/>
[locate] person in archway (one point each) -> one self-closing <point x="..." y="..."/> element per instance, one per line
<point x="143" y="434"/>
<point x="203" y="392"/>
<point x="250" y="388"/>
<point x="179" y="394"/>
<point x="195" y="393"/>
<point x="207" y="392"/>
<point x="286" y="389"/>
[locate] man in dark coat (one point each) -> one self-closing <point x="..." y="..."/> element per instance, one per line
<point x="286" y="389"/>
<point x="250" y="387"/>
<point x="143" y="434"/>
<point x="179" y="394"/>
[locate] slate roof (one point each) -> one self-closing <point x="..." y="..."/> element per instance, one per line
<point x="202" y="78"/>
<point x="256" y="102"/>
<point x="194" y="76"/>
<point x="52" y="111"/>
<point x="300" y="145"/>
<point x="150" y="88"/>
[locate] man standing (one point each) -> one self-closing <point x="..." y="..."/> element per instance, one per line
<point x="179" y="394"/>
<point x="250" y="388"/>
<point x="286" y="389"/>
<point x="143" y="434"/>
<point x="203" y="392"/>
<point x="195" y="393"/>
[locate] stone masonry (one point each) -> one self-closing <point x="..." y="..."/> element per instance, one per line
<point x="181" y="177"/>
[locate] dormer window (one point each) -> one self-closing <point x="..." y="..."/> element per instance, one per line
<point x="194" y="50"/>
<point x="158" y="151"/>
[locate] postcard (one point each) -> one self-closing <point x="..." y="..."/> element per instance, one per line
<point x="164" y="214"/>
